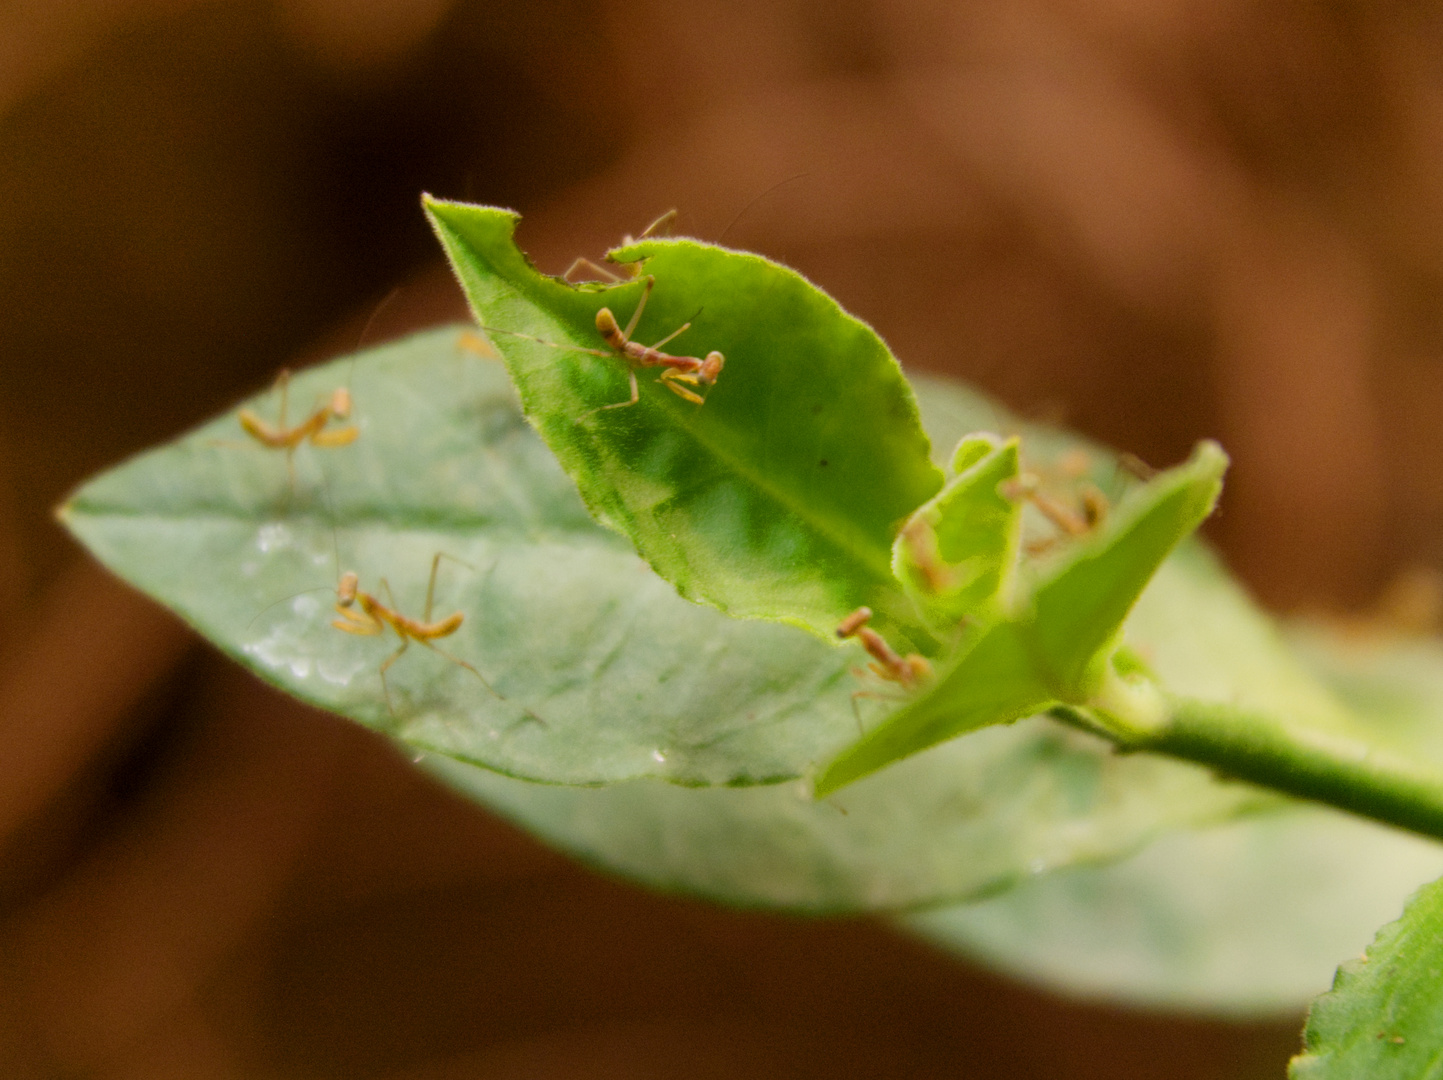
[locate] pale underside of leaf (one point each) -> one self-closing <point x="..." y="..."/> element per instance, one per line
<point x="606" y="673"/>
<point x="962" y="821"/>
<point x="1245" y="920"/>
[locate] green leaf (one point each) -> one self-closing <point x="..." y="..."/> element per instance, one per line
<point x="956" y="554"/>
<point x="1245" y="920"/>
<point x="607" y="674"/>
<point x="964" y="820"/>
<point x="1197" y="629"/>
<point x="781" y="496"/>
<point x="1079" y="609"/>
<point x="1055" y="648"/>
<point x="993" y="682"/>
<point x="1383" y="1019"/>
<point x="622" y="678"/>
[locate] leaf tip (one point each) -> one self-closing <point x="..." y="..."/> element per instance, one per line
<point x="1205" y="468"/>
<point x="854" y="762"/>
<point x="828" y="781"/>
<point x="1208" y="456"/>
<point x="461" y="216"/>
<point x="973" y="448"/>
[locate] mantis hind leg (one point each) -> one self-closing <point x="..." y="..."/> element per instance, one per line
<point x="283" y="384"/>
<point x="385" y="665"/>
<point x="431" y="586"/>
<point x="648" y="285"/>
<point x="876" y="695"/>
<point x="431" y="581"/>
<point x="635" y="397"/>
<point x="462" y="663"/>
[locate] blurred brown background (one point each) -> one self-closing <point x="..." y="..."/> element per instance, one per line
<point x="1153" y="219"/>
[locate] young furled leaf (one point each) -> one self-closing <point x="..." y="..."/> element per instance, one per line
<point x="956" y="554"/>
<point x="1058" y="646"/>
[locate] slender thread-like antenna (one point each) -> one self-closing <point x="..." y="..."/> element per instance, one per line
<point x="757" y="199"/>
<point x="376" y="311"/>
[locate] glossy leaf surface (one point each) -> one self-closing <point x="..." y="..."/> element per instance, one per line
<point x="607" y="673"/>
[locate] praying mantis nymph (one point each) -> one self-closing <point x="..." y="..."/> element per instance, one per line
<point x="1075" y="516"/>
<point x="314" y="429"/>
<point x="373" y="617"/>
<point x="908" y="672"/>
<point x="681" y="373"/>
<point x="886" y="663"/>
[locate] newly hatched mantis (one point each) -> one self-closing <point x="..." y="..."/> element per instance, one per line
<point x="907" y="671"/>
<point x="1075" y="515"/>
<point x="681" y="374"/>
<point x="374" y="616"/>
<point x="312" y="429"/>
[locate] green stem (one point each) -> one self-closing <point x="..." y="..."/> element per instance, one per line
<point x="1338" y="769"/>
